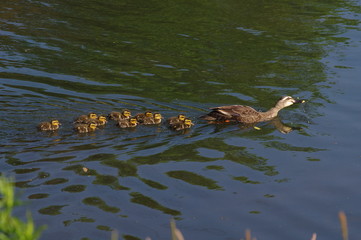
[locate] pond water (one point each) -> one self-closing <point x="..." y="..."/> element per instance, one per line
<point x="61" y="59"/>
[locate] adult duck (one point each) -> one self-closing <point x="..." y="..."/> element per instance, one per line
<point x="246" y="114"/>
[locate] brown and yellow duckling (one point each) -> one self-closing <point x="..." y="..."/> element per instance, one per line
<point x="155" y="119"/>
<point x="86" y="118"/>
<point x="246" y="114"/>
<point x="176" y="119"/>
<point x="127" y="123"/>
<point x="125" y="114"/>
<point x="141" y="117"/>
<point x="187" y="123"/>
<point x="85" y="127"/>
<point x="100" y="121"/>
<point x="49" y="126"/>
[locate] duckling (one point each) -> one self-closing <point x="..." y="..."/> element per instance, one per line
<point x="100" y="121"/>
<point x="147" y="116"/>
<point x="49" y="126"/>
<point x="246" y="114"/>
<point x="125" y="114"/>
<point x="86" y="118"/>
<point x="156" y="119"/>
<point x="85" y="127"/>
<point x="127" y="123"/>
<point x="187" y="123"/>
<point x="176" y="119"/>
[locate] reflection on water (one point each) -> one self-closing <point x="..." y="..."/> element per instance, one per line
<point x="63" y="59"/>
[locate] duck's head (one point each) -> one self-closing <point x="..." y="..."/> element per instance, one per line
<point x="181" y="117"/>
<point x="157" y="116"/>
<point x="92" y="126"/>
<point x="133" y="121"/>
<point x="149" y="114"/>
<point x="102" y="119"/>
<point x="287" y="101"/>
<point x="93" y="116"/>
<point x="55" y="123"/>
<point x="188" y="122"/>
<point x="126" y="113"/>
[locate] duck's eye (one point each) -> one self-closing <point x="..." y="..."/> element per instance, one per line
<point x="149" y="114"/>
<point x="133" y="120"/>
<point x="92" y="125"/>
<point x="188" y="122"/>
<point x="181" y="117"/>
<point x="126" y="113"/>
<point x="55" y="122"/>
<point x="92" y="115"/>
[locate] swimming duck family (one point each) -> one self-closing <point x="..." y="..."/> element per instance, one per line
<point x="124" y="119"/>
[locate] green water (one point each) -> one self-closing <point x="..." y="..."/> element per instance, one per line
<point x="61" y="59"/>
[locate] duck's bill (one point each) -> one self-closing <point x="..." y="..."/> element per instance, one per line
<point x="300" y="101"/>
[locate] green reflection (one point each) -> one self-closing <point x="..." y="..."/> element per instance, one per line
<point x="51" y="210"/>
<point x="74" y="188"/>
<point x="104" y="228"/>
<point x="249" y="48"/>
<point x="56" y="181"/>
<point x="287" y="147"/>
<point x="130" y="237"/>
<point x="194" y="179"/>
<point x="245" y="180"/>
<point x="153" y="184"/>
<point x="38" y="195"/>
<point x="109" y="181"/>
<point x="81" y="219"/>
<point x="125" y="169"/>
<point x="98" y="202"/>
<point x="149" y="202"/>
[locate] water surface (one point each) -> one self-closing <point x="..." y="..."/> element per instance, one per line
<point x="60" y="59"/>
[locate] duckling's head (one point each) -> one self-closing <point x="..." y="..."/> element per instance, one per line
<point x="149" y="114"/>
<point x="55" y="123"/>
<point x="188" y="122"/>
<point x="126" y="113"/>
<point x="157" y="116"/>
<point x="181" y="117"/>
<point x="287" y="101"/>
<point x="133" y="121"/>
<point x="92" y="126"/>
<point x="102" y="119"/>
<point x="93" y="116"/>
